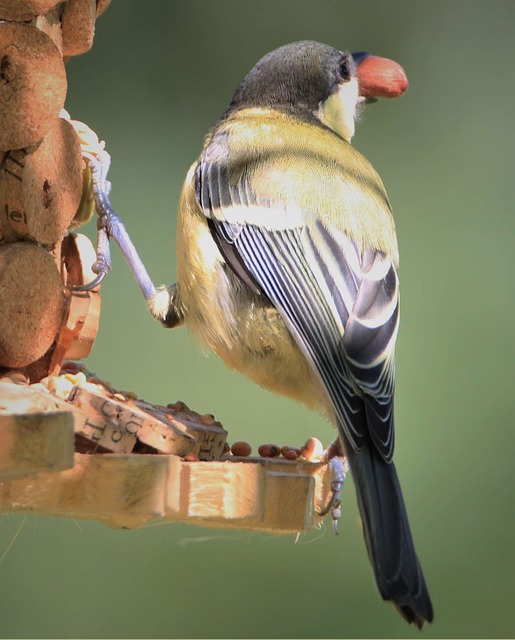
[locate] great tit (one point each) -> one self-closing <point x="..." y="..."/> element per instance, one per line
<point x="287" y="259"/>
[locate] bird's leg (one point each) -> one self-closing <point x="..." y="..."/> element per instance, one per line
<point x="162" y="301"/>
<point x="165" y="306"/>
<point x="339" y="468"/>
<point x="109" y="226"/>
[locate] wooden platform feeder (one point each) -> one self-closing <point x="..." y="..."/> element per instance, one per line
<point x="70" y="445"/>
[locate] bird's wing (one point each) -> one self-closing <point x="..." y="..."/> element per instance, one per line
<point x="340" y="302"/>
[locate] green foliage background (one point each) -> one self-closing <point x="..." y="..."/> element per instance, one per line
<point x="160" y="73"/>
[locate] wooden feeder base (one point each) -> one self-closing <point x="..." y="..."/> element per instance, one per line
<point x="41" y="471"/>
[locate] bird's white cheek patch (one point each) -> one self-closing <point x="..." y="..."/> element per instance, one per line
<point x="338" y="112"/>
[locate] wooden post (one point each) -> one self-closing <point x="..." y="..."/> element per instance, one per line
<point x="70" y="444"/>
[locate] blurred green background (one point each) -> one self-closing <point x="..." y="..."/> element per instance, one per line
<point x="159" y="75"/>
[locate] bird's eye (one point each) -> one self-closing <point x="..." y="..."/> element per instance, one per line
<point x="344" y="69"/>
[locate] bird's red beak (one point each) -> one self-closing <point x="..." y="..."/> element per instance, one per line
<point x="379" y="77"/>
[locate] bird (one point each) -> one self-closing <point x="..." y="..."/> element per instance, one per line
<point x="287" y="265"/>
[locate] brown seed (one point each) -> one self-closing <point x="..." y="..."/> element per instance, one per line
<point x="207" y="419"/>
<point x="241" y="448"/>
<point x="290" y="453"/>
<point x="269" y="451"/>
<point x="177" y="406"/>
<point x="190" y="457"/>
<point x="312" y="449"/>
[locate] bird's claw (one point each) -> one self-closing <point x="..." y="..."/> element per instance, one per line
<point x="338" y="466"/>
<point x="102" y="264"/>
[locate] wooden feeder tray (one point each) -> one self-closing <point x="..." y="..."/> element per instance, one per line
<point x="77" y="448"/>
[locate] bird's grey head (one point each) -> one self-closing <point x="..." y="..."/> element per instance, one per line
<point x="308" y="79"/>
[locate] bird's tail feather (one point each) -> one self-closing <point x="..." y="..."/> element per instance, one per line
<point x="388" y="537"/>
